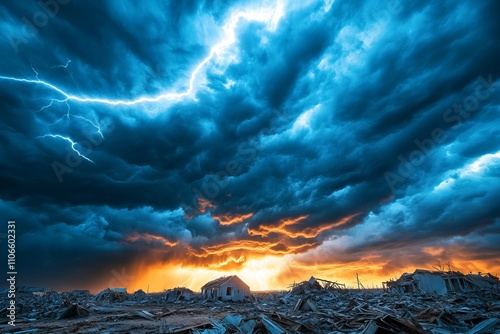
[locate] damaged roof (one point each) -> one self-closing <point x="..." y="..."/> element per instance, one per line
<point x="220" y="281"/>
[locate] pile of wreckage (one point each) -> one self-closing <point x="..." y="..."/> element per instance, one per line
<point x="35" y="303"/>
<point x="355" y="317"/>
<point x="316" y="285"/>
<point x="112" y="295"/>
<point x="310" y="307"/>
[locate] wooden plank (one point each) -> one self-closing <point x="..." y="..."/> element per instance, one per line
<point x="484" y="326"/>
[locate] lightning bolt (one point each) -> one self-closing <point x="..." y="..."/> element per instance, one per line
<point x="267" y="16"/>
<point x="62" y="66"/>
<point x="63" y="116"/>
<point x="95" y="124"/>
<point x="52" y="101"/>
<point x="73" y="145"/>
<point x="270" y="16"/>
<point x="36" y="73"/>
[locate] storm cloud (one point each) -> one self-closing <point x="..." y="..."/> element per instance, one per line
<point x="325" y="133"/>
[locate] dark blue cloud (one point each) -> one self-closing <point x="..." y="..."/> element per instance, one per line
<point x="369" y="126"/>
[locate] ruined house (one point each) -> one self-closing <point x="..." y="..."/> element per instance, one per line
<point x="439" y="282"/>
<point x="419" y="281"/>
<point x="315" y="284"/>
<point x="457" y="282"/>
<point x="226" y="288"/>
<point x="484" y="281"/>
<point x="178" y="294"/>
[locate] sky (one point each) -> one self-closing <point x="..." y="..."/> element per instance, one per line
<point x="154" y="144"/>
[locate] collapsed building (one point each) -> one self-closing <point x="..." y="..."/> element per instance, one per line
<point x="484" y="281"/>
<point x="178" y="294"/>
<point x="441" y="283"/>
<point x="226" y="288"/>
<point x="315" y="284"/>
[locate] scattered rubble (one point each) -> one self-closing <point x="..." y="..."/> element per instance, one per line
<point x="79" y="294"/>
<point x="74" y="310"/>
<point x="313" y="306"/>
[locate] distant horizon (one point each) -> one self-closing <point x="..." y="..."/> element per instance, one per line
<point x="198" y="290"/>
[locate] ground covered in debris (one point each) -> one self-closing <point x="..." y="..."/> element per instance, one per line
<point x="304" y="309"/>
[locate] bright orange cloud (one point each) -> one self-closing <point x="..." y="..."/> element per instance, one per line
<point x="306" y="232"/>
<point x="204" y="204"/>
<point x="229" y="219"/>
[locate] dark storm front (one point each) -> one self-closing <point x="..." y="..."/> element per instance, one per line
<point x="31" y="26"/>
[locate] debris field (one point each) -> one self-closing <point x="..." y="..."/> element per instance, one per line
<point x="313" y="306"/>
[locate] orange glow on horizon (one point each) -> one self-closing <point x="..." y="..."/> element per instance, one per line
<point x="279" y="272"/>
<point x="274" y="257"/>
<point x="258" y="274"/>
